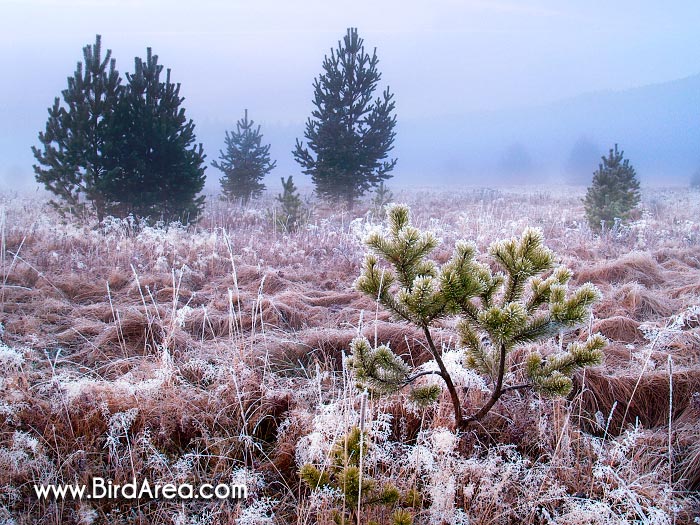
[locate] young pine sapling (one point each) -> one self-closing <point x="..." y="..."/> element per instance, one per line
<point x="291" y="214"/>
<point x="527" y="301"/>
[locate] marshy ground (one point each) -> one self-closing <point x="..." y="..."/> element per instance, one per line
<point x="214" y="353"/>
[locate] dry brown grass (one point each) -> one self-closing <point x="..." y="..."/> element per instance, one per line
<point x="214" y="337"/>
<point x="643" y="397"/>
<point x="619" y="328"/>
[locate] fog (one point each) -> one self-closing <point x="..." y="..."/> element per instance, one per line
<point x="487" y="92"/>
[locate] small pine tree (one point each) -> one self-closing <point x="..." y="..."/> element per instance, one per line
<point x="382" y="197"/>
<point x="498" y="312"/>
<point x="245" y="162"/>
<point x="71" y="162"/>
<point x="349" y="135"/>
<point x="614" y="192"/>
<point x="344" y="476"/>
<point x="291" y="215"/>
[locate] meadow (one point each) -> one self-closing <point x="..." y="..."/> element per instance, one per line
<point x="214" y="353"/>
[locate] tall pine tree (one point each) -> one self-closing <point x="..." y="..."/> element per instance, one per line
<point x="245" y="162"/>
<point x="349" y="135"/>
<point x="614" y="192"/>
<point x="71" y="161"/>
<point x="159" y="170"/>
<point x="121" y="149"/>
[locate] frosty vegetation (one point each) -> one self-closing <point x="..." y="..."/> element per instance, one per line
<point x="218" y="352"/>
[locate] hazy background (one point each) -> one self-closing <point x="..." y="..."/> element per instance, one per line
<point x="487" y="92"/>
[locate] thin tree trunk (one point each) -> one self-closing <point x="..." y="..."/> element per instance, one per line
<point x="495" y="395"/>
<point x="456" y="405"/>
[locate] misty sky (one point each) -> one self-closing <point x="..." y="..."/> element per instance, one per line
<point x="440" y="57"/>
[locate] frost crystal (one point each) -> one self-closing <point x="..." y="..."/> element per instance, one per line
<point x="258" y="513"/>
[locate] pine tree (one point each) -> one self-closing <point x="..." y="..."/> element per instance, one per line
<point x="158" y="167"/>
<point x="354" y="490"/>
<point x="382" y="197"/>
<point x="71" y="163"/>
<point x="614" y="192"/>
<point x="498" y="312"/>
<point x="245" y="162"/>
<point x="121" y="148"/>
<point x="349" y="135"/>
<point x="291" y="214"/>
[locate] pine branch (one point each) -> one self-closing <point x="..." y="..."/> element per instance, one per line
<point x="379" y="369"/>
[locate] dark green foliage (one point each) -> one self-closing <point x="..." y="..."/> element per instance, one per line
<point x="614" y="192"/>
<point x="121" y="148"/>
<point x="528" y="300"/>
<point x="382" y="197"/>
<point x="551" y="375"/>
<point x="71" y="161"/>
<point x="349" y="135"/>
<point x="245" y="162"/>
<point x="158" y="170"/>
<point x="344" y="475"/>
<point x="292" y="212"/>
<point x="378" y="369"/>
<point x="426" y="395"/>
